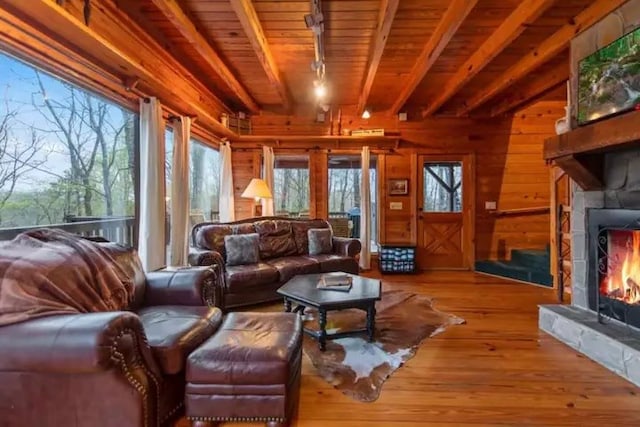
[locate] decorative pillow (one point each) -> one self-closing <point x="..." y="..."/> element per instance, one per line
<point x="301" y="232"/>
<point x="242" y="248"/>
<point x="320" y="241"/>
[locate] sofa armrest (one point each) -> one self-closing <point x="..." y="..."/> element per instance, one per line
<point x="346" y="247"/>
<point x="186" y="286"/>
<point x="78" y="344"/>
<point x="199" y="257"/>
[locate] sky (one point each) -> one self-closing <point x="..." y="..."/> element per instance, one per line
<point x="20" y="94"/>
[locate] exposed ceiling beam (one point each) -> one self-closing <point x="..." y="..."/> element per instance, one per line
<point x="181" y="22"/>
<point x="444" y="32"/>
<point x="533" y="89"/>
<point x="546" y="50"/>
<point x="118" y="45"/>
<point x="251" y="24"/>
<point x="388" y="9"/>
<point x="525" y="14"/>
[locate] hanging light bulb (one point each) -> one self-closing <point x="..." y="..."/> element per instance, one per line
<point x="320" y="89"/>
<point x="366" y="114"/>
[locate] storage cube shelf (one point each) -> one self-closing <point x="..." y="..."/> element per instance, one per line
<point x="397" y="259"/>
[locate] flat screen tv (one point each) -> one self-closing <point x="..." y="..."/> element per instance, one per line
<point x="609" y="79"/>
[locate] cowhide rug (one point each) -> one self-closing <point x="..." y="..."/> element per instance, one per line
<point x="357" y="367"/>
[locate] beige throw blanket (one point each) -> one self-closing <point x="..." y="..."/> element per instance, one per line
<point x="45" y="272"/>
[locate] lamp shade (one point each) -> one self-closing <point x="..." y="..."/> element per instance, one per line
<point x="257" y="189"/>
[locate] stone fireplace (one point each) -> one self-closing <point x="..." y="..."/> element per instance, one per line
<point x="603" y="320"/>
<point x="613" y="286"/>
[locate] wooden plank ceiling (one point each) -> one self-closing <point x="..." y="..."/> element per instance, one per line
<point x="442" y="57"/>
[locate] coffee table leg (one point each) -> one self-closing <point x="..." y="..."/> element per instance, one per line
<point x="287" y="305"/>
<point x="323" y="329"/>
<point x="371" y="321"/>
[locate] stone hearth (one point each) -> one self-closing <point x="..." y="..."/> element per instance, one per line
<point x="610" y="343"/>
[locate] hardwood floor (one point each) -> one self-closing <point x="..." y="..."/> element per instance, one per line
<point x="497" y="369"/>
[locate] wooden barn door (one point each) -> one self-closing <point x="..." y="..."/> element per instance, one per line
<point x="445" y="235"/>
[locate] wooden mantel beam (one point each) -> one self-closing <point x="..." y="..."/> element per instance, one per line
<point x="609" y="134"/>
<point x="538" y="86"/>
<point x="388" y="9"/>
<point x="546" y="50"/>
<point x="117" y="45"/>
<point x="181" y="22"/>
<point x="453" y="17"/>
<point x="251" y="24"/>
<point x="524" y="15"/>
<point x="585" y="170"/>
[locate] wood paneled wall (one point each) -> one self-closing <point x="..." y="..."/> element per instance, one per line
<point x="509" y="169"/>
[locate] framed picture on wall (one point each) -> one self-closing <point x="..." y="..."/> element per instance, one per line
<point x="398" y="187"/>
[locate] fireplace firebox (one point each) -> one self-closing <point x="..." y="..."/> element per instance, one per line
<point x="614" y="264"/>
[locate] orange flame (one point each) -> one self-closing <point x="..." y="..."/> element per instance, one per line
<point x="624" y="283"/>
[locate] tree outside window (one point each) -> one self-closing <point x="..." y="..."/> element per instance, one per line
<point x="291" y="185"/>
<point x="345" y="173"/>
<point x="65" y="154"/>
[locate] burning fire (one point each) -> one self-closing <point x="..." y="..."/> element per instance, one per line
<point x="622" y="282"/>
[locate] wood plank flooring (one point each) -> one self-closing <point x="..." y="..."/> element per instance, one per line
<point x="497" y="369"/>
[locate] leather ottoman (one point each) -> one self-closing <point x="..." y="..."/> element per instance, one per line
<point x="248" y="371"/>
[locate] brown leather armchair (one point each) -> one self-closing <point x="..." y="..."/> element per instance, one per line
<point x="107" y="369"/>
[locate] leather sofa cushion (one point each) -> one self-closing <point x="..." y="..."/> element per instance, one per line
<point x="239" y="277"/>
<point x="249" y="349"/>
<point x="211" y="236"/>
<point x="333" y="262"/>
<point x="173" y="332"/>
<point x="300" y="233"/>
<point x="276" y="238"/>
<point x="290" y="266"/>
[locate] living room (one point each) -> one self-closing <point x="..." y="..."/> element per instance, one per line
<point x="180" y="179"/>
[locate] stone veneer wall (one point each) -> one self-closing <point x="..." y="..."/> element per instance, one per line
<point x="613" y="345"/>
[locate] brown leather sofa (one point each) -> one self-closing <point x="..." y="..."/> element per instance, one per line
<point x="284" y="253"/>
<point x="108" y="369"/>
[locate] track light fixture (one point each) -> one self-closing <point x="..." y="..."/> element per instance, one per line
<point x="315" y="22"/>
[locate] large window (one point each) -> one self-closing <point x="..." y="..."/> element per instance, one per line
<point x="291" y="185"/>
<point x="204" y="179"/>
<point x="66" y="155"/>
<point x="344" y="196"/>
<point x="204" y="183"/>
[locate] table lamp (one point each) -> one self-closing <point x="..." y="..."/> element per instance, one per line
<point x="257" y="189"/>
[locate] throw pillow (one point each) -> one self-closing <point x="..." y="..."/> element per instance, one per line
<point x="242" y="248"/>
<point x="320" y="241"/>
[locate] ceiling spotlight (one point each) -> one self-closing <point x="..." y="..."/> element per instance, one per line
<point x="366" y="114"/>
<point x="320" y="91"/>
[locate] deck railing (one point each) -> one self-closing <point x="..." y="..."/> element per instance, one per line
<point x="119" y="230"/>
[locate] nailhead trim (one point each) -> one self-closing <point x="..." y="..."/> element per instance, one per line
<point x="172" y="412"/>
<point x="238" y="419"/>
<point x="140" y="388"/>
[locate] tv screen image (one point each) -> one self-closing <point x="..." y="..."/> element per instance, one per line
<point x="609" y="79"/>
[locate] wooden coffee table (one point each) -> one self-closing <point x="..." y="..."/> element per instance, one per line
<point x="301" y="290"/>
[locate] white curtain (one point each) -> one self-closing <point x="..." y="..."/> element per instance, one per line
<point x="225" y="201"/>
<point x="151" y="241"/>
<point x="365" y="211"/>
<point x="179" y="243"/>
<point x="268" y="163"/>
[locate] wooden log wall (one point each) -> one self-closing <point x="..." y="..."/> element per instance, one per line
<point x="510" y="169"/>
